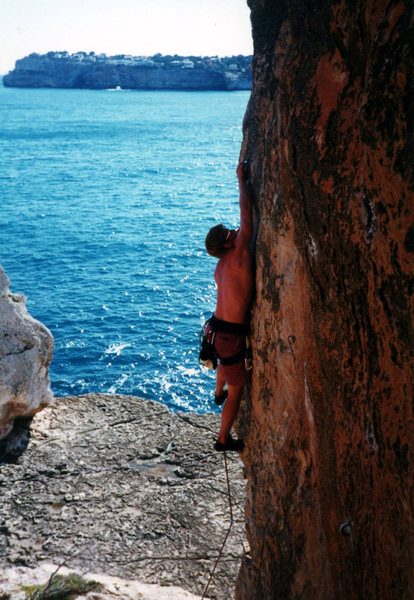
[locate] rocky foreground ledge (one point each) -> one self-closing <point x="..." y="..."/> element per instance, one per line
<point x="119" y="486"/>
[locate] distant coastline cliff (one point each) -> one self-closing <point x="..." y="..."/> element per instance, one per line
<point x="98" y="71"/>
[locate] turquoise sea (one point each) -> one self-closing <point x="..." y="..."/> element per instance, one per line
<point x="106" y="198"/>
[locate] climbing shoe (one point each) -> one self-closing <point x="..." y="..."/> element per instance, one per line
<point x="230" y="445"/>
<point x="221" y="398"/>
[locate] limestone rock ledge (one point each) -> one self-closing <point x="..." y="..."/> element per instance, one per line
<point x="13" y="581"/>
<point x="26" y="350"/>
<point x="120" y="486"/>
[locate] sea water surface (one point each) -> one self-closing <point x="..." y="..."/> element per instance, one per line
<point x="106" y="198"/>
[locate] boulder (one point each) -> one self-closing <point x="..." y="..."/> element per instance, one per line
<point x="26" y="350"/>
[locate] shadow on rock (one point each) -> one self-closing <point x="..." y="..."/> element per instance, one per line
<point x="16" y="442"/>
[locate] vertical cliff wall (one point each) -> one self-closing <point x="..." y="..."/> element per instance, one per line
<point x="329" y="422"/>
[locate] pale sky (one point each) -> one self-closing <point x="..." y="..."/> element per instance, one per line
<point x="137" y="27"/>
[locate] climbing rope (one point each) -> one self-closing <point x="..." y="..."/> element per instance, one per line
<point x="232" y="521"/>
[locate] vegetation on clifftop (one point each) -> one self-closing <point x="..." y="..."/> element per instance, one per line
<point x="61" y="587"/>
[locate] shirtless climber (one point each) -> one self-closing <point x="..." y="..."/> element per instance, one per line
<point x="234" y="280"/>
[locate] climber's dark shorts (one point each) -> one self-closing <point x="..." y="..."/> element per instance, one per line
<point x="228" y="344"/>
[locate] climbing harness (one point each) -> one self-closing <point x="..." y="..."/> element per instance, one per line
<point x="232" y="521"/>
<point x="207" y="354"/>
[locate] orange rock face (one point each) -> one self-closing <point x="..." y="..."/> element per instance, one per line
<point x="329" y="419"/>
